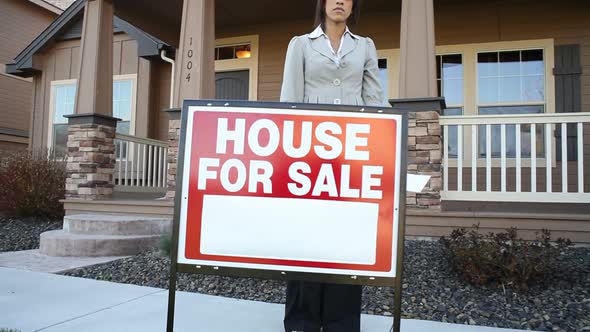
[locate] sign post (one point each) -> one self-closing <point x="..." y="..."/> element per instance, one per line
<point x="290" y="192"/>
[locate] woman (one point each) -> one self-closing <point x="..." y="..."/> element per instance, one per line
<point x="331" y="65"/>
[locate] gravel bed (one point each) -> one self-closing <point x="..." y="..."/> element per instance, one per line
<point x="23" y="233"/>
<point x="432" y="290"/>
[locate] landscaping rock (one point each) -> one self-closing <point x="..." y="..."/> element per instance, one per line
<point x="559" y="302"/>
<point x="23" y="233"/>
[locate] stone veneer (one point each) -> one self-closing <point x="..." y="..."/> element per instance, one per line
<point x="91" y="156"/>
<point x="425" y="158"/>
<point x="173" y="140"/>
<point x="424" y="149"/>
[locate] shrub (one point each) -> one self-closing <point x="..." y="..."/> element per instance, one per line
<point x="501" y="257"/>
<point x="165" y="244"/>
<point x="32" y="184"/>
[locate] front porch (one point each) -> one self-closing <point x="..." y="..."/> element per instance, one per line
<point x="486" y="169"/>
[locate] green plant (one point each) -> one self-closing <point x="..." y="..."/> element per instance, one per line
<point x="32" y="184"/>
<point x="501" y="257"/>
<point x="165" y="244"/>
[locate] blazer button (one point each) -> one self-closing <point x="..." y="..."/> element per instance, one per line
<point x="337" y="101"/>
<point x="336" y="82"/>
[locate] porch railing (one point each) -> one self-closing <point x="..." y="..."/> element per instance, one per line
<point x="516" y="158"/>
<point x="141" y="164"/>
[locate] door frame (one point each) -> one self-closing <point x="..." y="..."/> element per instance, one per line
<point x="250" y="64"/>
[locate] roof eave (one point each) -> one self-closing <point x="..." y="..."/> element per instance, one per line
<point x="48" y="6"/>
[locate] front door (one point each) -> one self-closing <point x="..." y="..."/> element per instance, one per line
<point x="232" y="85"/>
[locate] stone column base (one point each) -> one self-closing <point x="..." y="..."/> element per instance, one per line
<point x="173" y="140"/>
<point x="91" y="156"/>
<point x="424" y="148"/>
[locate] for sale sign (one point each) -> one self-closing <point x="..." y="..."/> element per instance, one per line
<point x="291" y="189"/>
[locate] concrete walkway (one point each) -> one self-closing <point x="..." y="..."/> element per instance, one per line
<point x="32" y="260"/>
<point x="33" y="301"/>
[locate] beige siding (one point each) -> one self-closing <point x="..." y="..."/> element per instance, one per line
<point x="15" y="100"/>
<point x="457" y="22"/>
<point x="20" y="23"/>
<point x="160" y="101"/>
<point x="565" y="21"/>
<point x="62" y="63"/>
<point x="129" y="60"/>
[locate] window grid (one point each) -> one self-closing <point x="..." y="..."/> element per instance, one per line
<point x="500" y="105"/>
<point x="498" y="77"/>
<point x="229" y="52"/>
<point x="452" y="108"/>
<point x="64" y="99"/>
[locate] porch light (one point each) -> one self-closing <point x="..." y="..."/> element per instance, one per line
<point x="243" y="54"/>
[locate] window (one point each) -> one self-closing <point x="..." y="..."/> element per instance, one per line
<point x="388" y="64"/>
<point x="449" y="80"/>
<point x="498" y="78"/>
<point x="63" y="104"/>
<point x="122" y="104"/>
<point x="511" y="82"/>
<point x="383" y="77"/>
<point x="241" y="51"/>
<point x="63" y="100"/>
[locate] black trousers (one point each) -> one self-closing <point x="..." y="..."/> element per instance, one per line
<point x="313" y="306"/>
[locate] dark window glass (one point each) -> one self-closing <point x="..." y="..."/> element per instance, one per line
<point x="60" y="140"/>
<point x="226" y="53"/>
<point x="525" y="133"/>
<point x="451" y="140"/>
<point x="450" y="84"/>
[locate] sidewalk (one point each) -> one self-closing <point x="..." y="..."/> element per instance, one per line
<point x="33" y="301"/>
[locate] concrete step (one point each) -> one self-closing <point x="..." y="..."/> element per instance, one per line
<point x="102" y="224"/>
<point x="62" y="243"/>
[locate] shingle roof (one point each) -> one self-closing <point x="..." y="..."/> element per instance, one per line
<point x="63" y="4"/>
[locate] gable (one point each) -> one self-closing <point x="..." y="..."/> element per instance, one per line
<point x="69" y="26"/>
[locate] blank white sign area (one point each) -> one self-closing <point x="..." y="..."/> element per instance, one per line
<point x="292" y="229"/>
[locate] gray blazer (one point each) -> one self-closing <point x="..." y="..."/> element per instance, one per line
<point x="311" y="76"/>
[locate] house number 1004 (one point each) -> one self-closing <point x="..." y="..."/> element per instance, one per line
<point x="189" y="64"/>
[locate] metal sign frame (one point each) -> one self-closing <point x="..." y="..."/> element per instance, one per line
<point x="176" y="267"/>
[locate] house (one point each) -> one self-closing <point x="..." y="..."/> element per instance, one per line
<point x="510" y="147"/>
<point x="20" y="22"/>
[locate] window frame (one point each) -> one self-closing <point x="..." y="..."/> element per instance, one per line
<point x="57" y="83"/>
<point x="471" y="104"/>
<point x="250" y="64"/>
<point x="392" y="57"/>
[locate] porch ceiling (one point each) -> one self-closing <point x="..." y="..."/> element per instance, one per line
<point x="162" y="19"/>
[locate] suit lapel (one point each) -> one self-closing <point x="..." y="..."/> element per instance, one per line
<point x="349" y="44"/>
<point x="320" y="45"/>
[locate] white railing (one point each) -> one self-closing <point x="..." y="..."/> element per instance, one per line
<point x="141" y="164"/>
<point x="514" y="158"/>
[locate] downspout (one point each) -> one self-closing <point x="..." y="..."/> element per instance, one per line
<point x="170" y="61"/>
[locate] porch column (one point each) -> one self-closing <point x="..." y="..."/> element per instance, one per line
<point x="194" y="77"/>
<point x="418" y="87"/>
<point x="91" y="133"/>
<point x="417" y="50"/>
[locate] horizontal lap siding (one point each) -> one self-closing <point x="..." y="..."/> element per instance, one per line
<point x="525" y="179"/>
<point x="15" y="100"/>
<point x="20" y="22"/>
<point x="274" y="39"/>
<point x="460" y="22"/>
<point x="456" y="22"/>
